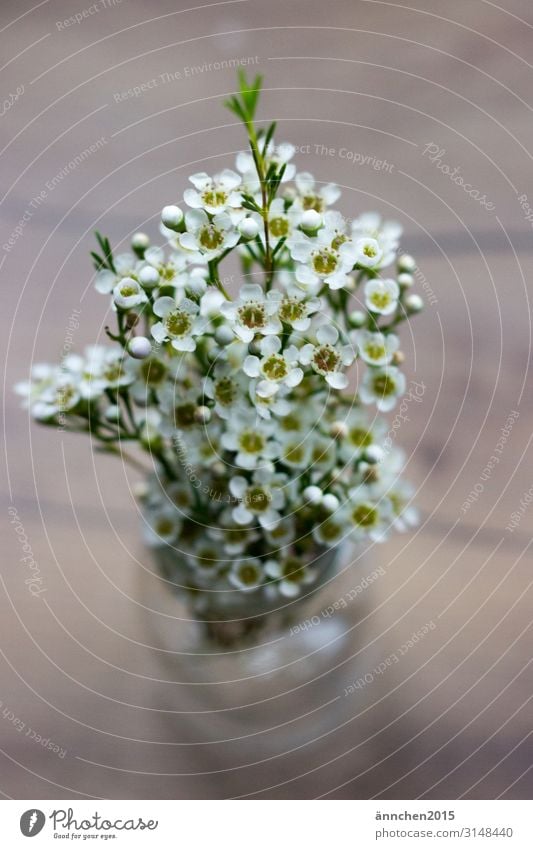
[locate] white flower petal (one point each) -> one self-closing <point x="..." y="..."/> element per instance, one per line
<point x="238" y="486"/>
<point x="163" y="306"/>
<point x="327" y="334"/>
<point x="192" y="199"/>
<point x="306" y="354"/>
<point x="105" y="281"/>
<point x="241" y="515"/>
<point x="252" y="366"/>
<point x="195" y="218"/>
<point x="228" y="179"/>
<point x="186" y="343"/>
<point x="266" y="389"/>
<point x="337" y="380"/>
<point x="295" y="377"/>
<point x="201" y="180"/>
<point x="270" y="345"/>
<point x="330" y="193"/>
<point x="301" y="251"/>
<point x="252" y="292"/>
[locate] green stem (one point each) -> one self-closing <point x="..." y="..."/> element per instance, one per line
<point x="127" y="403"/>
<point x="260" y="167"/>
<point x="215" y="279"/>
<point x="160" y="457"/>
<point x="136" y="464"/>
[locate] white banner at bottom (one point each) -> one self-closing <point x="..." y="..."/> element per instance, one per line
<point x="262" y="824"/>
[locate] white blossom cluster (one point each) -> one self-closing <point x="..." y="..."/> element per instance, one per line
<point x="260" y="409"/>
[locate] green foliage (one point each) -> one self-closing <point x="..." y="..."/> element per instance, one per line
<point x="106" y="259"/>
<point x="244" y="104"/>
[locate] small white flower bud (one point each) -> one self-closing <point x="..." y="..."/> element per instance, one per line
<point x="139" y="347"/>
<point x="414" y="303"/>
<point x="398" y="358"/>
<point x="406" y="263"/>
<point x="148" y="277"/>
<point x="339" y="429"/>
<point x="374" y="454"/>
<point x="313" y="494"/>
<point x="202" y="415"/>
<point x="150" y="436"/>
<point x="140" y="241"/>
<point x="330" y="502"/>
<point x="289" y="193"/>
<point x="140" y="490"/>
<point x="224" y="335"/>
<point x="311" y="220"/>
<point x="248" y="228"/>
<point x="370" y="473"/>
<point x="405" y="280"/>
<point x="197" y="283"/>
<point x="112" y="413"/>
<point x="41" y="411"/>
<point x="128" y="294"/>
<point x="357" y="318"/>
<point x="172" y="216"/>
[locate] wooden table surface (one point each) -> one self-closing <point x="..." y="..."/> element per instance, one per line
<point x="348" y="82"/>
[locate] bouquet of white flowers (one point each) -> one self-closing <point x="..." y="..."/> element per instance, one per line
<point x="266" y="453"/>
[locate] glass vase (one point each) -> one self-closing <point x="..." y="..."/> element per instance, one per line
<point x="266" y="703"/>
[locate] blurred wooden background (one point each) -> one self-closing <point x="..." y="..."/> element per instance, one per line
<point x="379" y="79"/>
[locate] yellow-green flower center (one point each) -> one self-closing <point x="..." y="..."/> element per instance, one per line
<point x="210" y="237"/>
<point x="181" y="498"/>
<point x="207" y="558"/>
<point x="384" y="385"/>
<point x="294" y="454"/>
<point x="184" y="414"/>
<point x="338" y="240"/>
<point x="325" y="262"/>
<point x="375" y="351"/>
<point x="313" y="202"/>
<point x="257" y="499"/>
<point x="365" y="515"/>
<point x="397" y="502"/>
<point x="225" y="391"/>
<point x="359" y="437"/>
<point x="278" y="533"/>
<point x="380" y="299"/>
<point x="64" y="396"/>
<point x="275" y="367"/>
<point x="167" y="272"/>
<point x="290" y="422"/>
<point x="279" y="227"/>
<point x="320" y="453"/>
<point x="178" y="323"/>
<point x="291" y="310"/>
<point x="251" y="442"/>
<point x="235" y="535"/>
<point x="153" y="371"/>
<point x="330" y="530"/>
<point x="252" y="315"/>
<point x="248" y="574"/>
<point x="214" y="197"/>
<point x="113" y="372"/>
<point x="164" y="527"/>
<point x="293" y="570"/>
<point x="326" y="359"/>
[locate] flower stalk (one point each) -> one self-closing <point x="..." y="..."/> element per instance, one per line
<point x="265" y="448"/>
